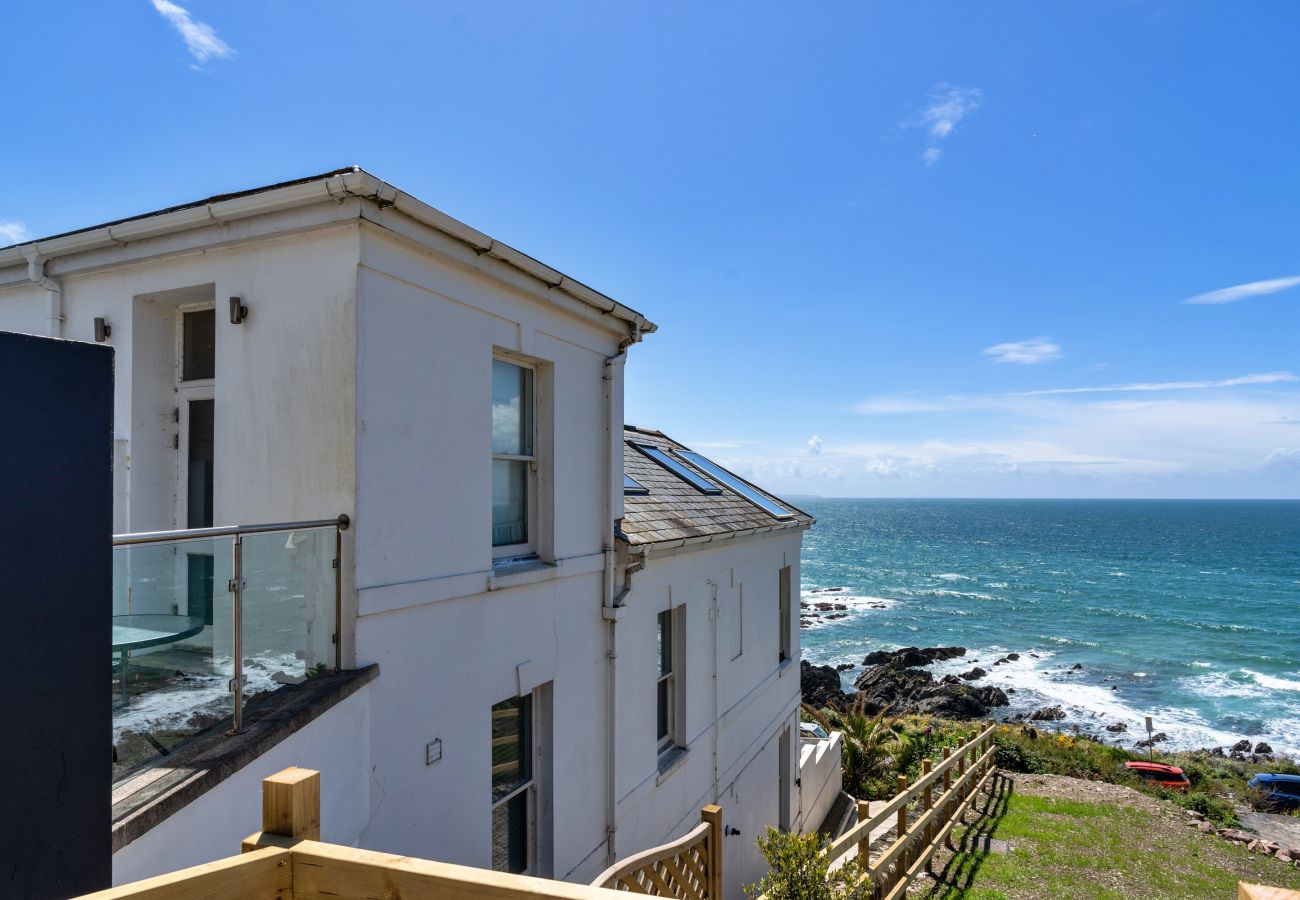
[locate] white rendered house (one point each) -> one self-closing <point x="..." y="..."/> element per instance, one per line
<point x="333" y="346"/>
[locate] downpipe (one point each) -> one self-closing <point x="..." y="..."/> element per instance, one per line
<point x="53" y="290"/>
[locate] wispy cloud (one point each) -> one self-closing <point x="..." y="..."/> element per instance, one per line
<point x="1243" y="291"/>
<point x="946" y="107"/>
<point x="1283" y="458"/>
<point x="13" y="233"/>
<point x="200" y="38"/>
<point x="1025" y="353"/>
<point x="815" y="445"/>
<point x="1261" y="378"/>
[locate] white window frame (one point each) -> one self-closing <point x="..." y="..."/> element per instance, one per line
<point x="528" y="547"/>
<point x="530" y="786"/>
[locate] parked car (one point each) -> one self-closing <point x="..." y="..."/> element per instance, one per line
<point x="811" y="731"/>
<point x="1277" y="791"/>
<point x="1170" y="777"/>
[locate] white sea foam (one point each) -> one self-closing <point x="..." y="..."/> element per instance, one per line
<point x="953" y="576"/>
<point x="1201" y="665"/>
<point x="1273" y="683"/>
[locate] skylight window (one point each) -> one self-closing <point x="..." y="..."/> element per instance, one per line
<point x="731" y="481"/>
<point x="633" y="487"/>
<point x="695" y="479"/>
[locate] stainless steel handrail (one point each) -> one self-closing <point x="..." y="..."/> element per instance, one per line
<point x="236" y="584"/>
<point x="150" y="537"/>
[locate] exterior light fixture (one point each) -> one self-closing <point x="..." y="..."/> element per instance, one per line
<point x="102" y="330"/>
<point x="238" y="312"/>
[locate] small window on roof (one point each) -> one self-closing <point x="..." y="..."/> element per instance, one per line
<point x="632" y="486"/>
<point x="695" y="479"/>
<point x="740" y="487"/>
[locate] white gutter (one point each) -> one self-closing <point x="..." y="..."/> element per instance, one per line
<point x="53" y="290"/>
<point x="356" y="183"/>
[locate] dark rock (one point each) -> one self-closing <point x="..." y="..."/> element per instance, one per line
<point x="913" y="657"/>
<point x="1076" y="667"/>
<point x="903" y="689"/>
<point x="1011" y="690"/>
<point x="841" y="606"/>
<point x="973" y="675"/>
<point x="820" y="685"/>
<point x="950" y="679"/>
<point x="1114" y="687"/>
<point x="1117" y="728"/>
<point x="1157" y="738"/>
<point x="1035" y="656"/>
<point x="1047" y="714"/>
<point x="1013" y="656"/>
<point x="838" y="616"/>
<point x="1262" y="747"/>
<point x="1217" y="752"/>
<point x="844" y="667"/>
<point x="829" y="590"/>
<point x="1242" y="746"/>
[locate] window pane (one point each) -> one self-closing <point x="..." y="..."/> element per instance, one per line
<point x="740" y="487"/>
<point x="510" y="835"/>
<point x="512" y="426"/>
<point x="199" y="345"/>
<point x="512" y="758"/>
<point x="202" y="454"/>
<point x="509" y="502"/>
<point x="664" y="687"/>
<point x="665" y="642"/>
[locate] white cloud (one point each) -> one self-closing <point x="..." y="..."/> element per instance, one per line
<point x="947" y="106"/>
<point x="13" y="233"/>
<point x="1242" y="291"/>
<point x="815" y="445"/>
<point x="1283" y="458"/>
<point x="1261" y="378"/>
<point x="200" y="39"/>
<point x="1025" y="353"/>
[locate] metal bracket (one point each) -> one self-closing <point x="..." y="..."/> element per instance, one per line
<point x="242" y="680"/>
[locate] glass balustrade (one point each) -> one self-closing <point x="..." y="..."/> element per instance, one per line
<point x="193" y="645"/>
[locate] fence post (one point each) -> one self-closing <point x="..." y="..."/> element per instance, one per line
<point x="864" y="845"/>
<point x="713" y="815"/>
<point x="291" y="804"/>
<point x="947" y="772"/>
<point x="926" y="767"/>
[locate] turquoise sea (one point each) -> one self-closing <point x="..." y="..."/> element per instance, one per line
<point x="1187" y="611"/>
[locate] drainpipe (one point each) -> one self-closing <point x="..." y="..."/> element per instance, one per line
<point x="53" y="292"/>
<point x="611" y="603"/>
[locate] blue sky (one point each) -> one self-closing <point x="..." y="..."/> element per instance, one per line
<point x="894" y="249"/>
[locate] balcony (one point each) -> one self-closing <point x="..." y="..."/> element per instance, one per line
<point x="208" y="621"/>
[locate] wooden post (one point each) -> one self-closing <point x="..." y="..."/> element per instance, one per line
<point x="947" y="772"/>
<point x="864" y="845"/>
<point x="902" y="823"/>
<point x="926" y="767"/>
<point x="713" y="815"/>
<point x="291" y="804"/>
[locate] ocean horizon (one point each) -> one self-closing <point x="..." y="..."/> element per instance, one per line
<point x="1184" y="610"/>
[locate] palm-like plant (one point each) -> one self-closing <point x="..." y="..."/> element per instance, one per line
<point x="868" y="746"/>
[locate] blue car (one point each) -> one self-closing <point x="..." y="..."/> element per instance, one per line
<point x="1279" y="791"/>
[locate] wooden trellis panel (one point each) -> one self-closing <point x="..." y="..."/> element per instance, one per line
<point x="689" y="868"/>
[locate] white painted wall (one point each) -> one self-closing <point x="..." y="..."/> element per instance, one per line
<point x="337" y="744"/>
<point x="820" y="780"/>
<point x="284" y="392"/>
<point x="732" y="750"/>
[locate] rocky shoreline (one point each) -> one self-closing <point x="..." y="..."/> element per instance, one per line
<point x="898" y="682"/>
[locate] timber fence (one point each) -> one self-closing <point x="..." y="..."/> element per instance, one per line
<point x="940" y="797"/>
<point x="689" y="868"/>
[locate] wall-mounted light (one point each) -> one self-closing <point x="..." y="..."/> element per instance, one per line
<point x="102" y="330"/>
<point x="238" y="312"/>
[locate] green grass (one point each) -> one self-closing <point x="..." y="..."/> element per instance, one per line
<point x="1066" y="848"/>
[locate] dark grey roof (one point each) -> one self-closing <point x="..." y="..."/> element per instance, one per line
<point x="674" y="511"/>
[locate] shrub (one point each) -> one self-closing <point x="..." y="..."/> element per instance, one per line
<point x="798" y="870"/>
<point x="1216" y="809"/>
<point x="1010" y="755"/>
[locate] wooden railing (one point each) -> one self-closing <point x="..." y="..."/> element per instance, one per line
<point x="287" y="861"/>
<point x="959" y="777"/>
<point x="689" y="868"/>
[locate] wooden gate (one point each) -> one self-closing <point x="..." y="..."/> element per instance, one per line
<point x="689" y="868"/>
